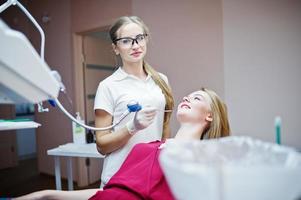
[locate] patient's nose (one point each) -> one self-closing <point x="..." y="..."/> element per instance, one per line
<point x="185" y="99"/>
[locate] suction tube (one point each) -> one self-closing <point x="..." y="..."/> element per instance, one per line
<point x="131" y="107"/>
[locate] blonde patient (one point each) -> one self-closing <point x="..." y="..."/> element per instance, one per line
<point x="201" y="114"/>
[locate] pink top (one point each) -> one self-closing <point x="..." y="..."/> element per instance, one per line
<point x="139" y="177"/>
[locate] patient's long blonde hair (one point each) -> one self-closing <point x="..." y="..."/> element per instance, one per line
<point x="219" y="127"/>
<point x="166" y="90"/>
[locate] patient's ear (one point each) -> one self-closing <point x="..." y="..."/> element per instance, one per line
<point x="209" y="117"/>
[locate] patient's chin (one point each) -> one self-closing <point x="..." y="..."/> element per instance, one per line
<point x="182" y="117"/>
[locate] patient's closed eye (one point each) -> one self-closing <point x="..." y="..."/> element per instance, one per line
<point x="197" y="98"/>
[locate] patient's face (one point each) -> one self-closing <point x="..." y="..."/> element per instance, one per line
<point x="194" y="108"/>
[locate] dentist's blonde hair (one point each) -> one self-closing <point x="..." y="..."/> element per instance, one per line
<point x="166" y="90"/>
<point x="219" y="126"/>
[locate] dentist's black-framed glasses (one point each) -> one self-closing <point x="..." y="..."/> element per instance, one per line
<point x="128" y="42"/>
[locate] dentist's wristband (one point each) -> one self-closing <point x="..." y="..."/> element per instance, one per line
<point x="131" y="128"/>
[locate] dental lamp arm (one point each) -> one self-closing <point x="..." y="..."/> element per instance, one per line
<point x="37" y="26"/>
<point x="8" y="3"/>
<point x="42" y="50"/>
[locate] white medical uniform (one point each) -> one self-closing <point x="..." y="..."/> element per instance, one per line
<point x="113" y="95"/>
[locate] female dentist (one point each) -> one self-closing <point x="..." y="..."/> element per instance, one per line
<point x="136" y="81"/>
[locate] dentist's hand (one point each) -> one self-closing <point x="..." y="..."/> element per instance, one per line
<point x="142" y="119"/>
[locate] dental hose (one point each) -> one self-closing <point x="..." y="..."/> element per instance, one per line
<point x="131" y="107"/>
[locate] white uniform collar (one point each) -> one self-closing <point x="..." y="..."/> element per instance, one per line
<point x="120" y="74"/>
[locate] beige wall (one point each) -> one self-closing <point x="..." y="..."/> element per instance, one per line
<point x="92" y="14"/>
<point x="263" y="67"/>
<point x="186" y="43"/>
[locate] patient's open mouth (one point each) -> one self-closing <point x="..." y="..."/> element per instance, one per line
<point x="184" y="105"/>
